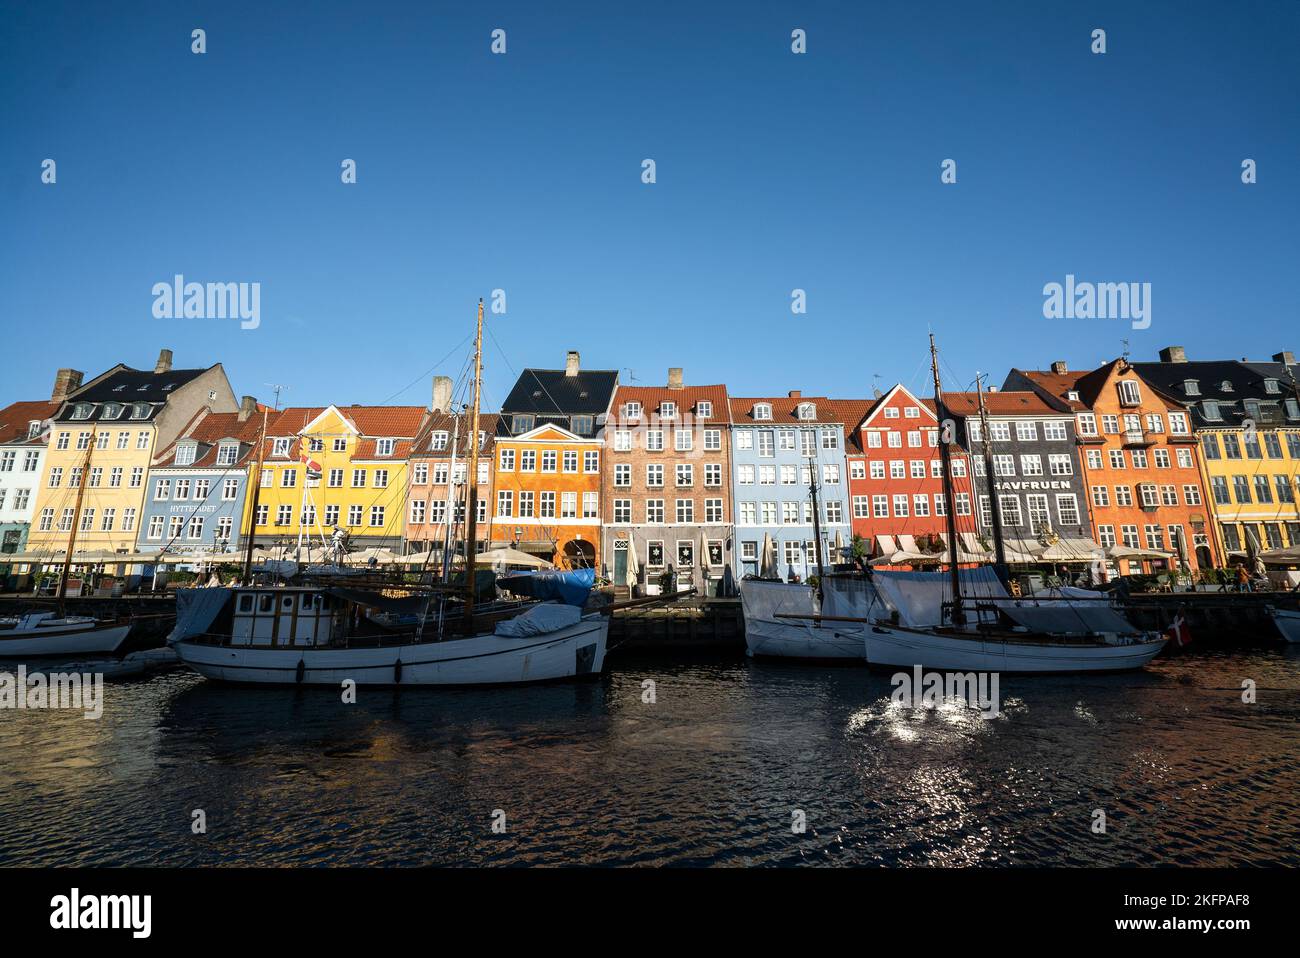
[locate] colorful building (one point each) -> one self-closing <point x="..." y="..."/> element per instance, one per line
<point x="667" y="485"/>
<point x="437" y="489"/>
<point x="1139" y="458"/>
<point x="896" y="475"/>
<point x="24" y="434"/>
<point x="336" y="468"/>
<point x="106" y="433"/>
<point x="549" y="447"/>
<point x="195" y="493"/>
<point x="778" y="445"/>
<point x="1247" y="418"/>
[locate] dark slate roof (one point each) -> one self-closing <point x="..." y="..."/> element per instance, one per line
<point x="1230" y="384"/>
<point x="549" y="392"/>
<point x="125" y="385"/>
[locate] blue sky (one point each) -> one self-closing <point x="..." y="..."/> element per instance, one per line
<point x="523" y="172"/>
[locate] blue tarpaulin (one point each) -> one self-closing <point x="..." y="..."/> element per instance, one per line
<point x="570" y="587"/>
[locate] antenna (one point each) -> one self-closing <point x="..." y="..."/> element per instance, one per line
<point x="1125" y="342"/>
<point x="278" y="388"/>
<point x="631" y="375"/>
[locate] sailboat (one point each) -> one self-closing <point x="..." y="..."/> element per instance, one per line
<point x="54" y="634"/>
<point x="785" y="620"/>
<point x="374" y="630"/>
<point x="981" y="627"/>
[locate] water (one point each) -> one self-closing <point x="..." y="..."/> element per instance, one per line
<point x="708" y="775"/>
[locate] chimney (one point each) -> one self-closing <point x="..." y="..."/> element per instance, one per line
<point x="164" y="364"/>
<point x="674" y="377"/>
<point x="990" y="389"/>
<point x="1060" y="368"/>
<point x="796" y="393"/>
<point x="1285" y="357"/>
<point x="571" y="363"/>
<point x="66" y="381"/>
<point x="247" y="406"/>
<point x="1173" y="354"/>
<point x="441" y="393"/>
<point x="876" y="393"/>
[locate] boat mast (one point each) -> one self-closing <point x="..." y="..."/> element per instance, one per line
<point x="471" y="475"/>
<point x="995" y="503"/>
<point x="949" y="500"/>
<point x="449" y="517"/>
<point x="76" y="517"/>
<point x="817" y="527"/>
<point x="255" y="480"/>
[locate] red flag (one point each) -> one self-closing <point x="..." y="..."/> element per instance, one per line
<point x="1179" y="632"/>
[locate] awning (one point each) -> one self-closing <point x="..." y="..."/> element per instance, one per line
<point x="1077" y="619"/>
<point x="885" y="545"/>
<point x="1071" y="549"/>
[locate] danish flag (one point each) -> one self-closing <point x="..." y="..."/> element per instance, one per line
<point x="313" y="467"/>
<point x="1179" y="633"/>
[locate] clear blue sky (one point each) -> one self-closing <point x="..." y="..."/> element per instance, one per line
<point x="522" y="171"/>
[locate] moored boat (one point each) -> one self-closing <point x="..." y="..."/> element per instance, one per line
<point x="1288" y="624"/>
<point x="47" y="634"/>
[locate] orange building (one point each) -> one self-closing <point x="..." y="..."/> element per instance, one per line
<point x="1140" y="465"/>
<point x="546" y="495"/>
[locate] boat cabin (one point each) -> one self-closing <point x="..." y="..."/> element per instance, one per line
<point x="284" y="617"/>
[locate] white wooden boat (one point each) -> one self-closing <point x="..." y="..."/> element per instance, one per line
<point x="301" y="635"/>
<point x="782" y="620"/>
<point x="1288" y="624"/>
<point x="39" y="634"/>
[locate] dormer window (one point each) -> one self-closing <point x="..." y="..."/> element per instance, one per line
<point x="169" y="387"/>
<point x="1192" y="387"/>
<point x="1210" y="410"/>
<point x="185" y="453"/>
<point x="911" y="412"/>
<point x="1072" y="395"/>
<point x="704" y="409"/>
<point x="1129" y="393"/>
<point x="118" y="389"/>
<point x="1272" y="386"/>
<point x="227" y="453"/>
<point x="33" y="429"/>
<point x="583" y="425"/>
<point x="668" y="410"/>
<point x="631" y="410"/>
<point x="384" y="447"/>
<point x="144" y="388"/>
<point x="763" y="411"/>
<point x="521" y="423"/>
<point x="807" y="411"/>
<point x="438" y="441"/>
<point x="1293" y="409"/>
<point x="82" y="410"/>
<point x="112" y="410"/>
<point x="1225" y="386"/>
<point x="280" y="446"/>
<point x="140" y="410"/>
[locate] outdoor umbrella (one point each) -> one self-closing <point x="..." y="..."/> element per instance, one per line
<point x="633" y="569"/>
<point x="767" y="562"/>
<point x="506" y="556"/>
<point x="839" y="547"/>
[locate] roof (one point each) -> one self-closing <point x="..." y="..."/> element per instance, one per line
<point x="1010" y="403"/>
<point x="208" y="430"/>
<point x="126" y="385"/>
<point x="15" y="417"/>
<point x="1243" y="380"/>
<point x="687" y="399"/>
<point x="377" y="421"/>
<point x="445" y="422"/>
<point x="1086" y="384"/>
<point x="784" y="409"/>
<point x="550" y="392"/>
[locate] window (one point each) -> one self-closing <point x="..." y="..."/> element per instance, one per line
<point x="1010" y="510"/>
<point x="622" y="510"/>
<point x="1129" y="393"/>
<point x="1061" y="464"/>
<point x="284" y="515"/>
<point x="583" y="425"/>
<point x="1100" y="496"/>
<point x="549" y="460"/>
<point x="384" y="447"/>
<point x="744" y="439"/>
<point x="880" y="507"/>
<point x="667" y="410"/>
<point x="891" y="412"/>
<point x="417" y="511"/>
<point x="1210" y="410"/>
<point x="1123" y="495"/>
<point x="376" y="516"/>
<point x="654" y="511"/>
<point x="831" y="474"/>
<point x="528" y="460"/>
<point x="900" y="506"/>
<point x="288" y="479"/>
<point x="622" y="440"/>
<point x="766" y="448"/>
<point x="712" y="474"/>
<point x="654" y="554"/>
<point x="505" y="502"/>
<point x="521" y="423"/>
<point x="920" y="504"/>
<point x="1031" y="465"/>
<point x="1150" y="495"/>
<point x="1117" y="458"/>
<point x="1178" y="424"/>
<point x="568" y="505"/>
<point x="807" y="411"/>
<point x="685" y="510"/>
<point x="546" y="505"/>
<point x="1192" y="494"/>
<point x="1067" y="509"/>
<point x="654" y="474"/>
<point x="340" y="444"/>
<point x="762" y="411"/>
<point x="1039" y="517"/>
<point x="683" y="440"/>
<point x="526" y="504"/>
<point x="631" y="410"/>
<point x="623" y="474"/>
<point x="712" y="440"/>
<point x="280" y="446"/>
<point x="591" y="462"/>
<point x="835" y="510"/>
<point x="570" y="460"/>
<point x="790" y="513"/>
<point x="654" y="440"/>
<point x="1087" y="424"/>
<point x="1161" y="457"/>
<point x="1026" y="431"/>
<point x="685" y="474"/>
<point x="1054" y="430"/>
<point x="748" y="513"/>
<point x="704" y="409"/>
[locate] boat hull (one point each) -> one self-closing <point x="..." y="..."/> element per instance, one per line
<point x="1288" y="624"/>
<point x="573" y="652"/>
<point x="51" y="642"/>
<point x="905" y="648"/>
<point x="769" y="638"/>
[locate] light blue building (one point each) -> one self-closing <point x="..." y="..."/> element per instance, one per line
<point x="775" y="446"/>
<point x="194" y="500"/>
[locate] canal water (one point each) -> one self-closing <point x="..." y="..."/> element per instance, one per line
<point x="715" y="771"/>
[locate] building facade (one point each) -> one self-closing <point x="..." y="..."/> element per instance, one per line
<point x="24" y="434"/>
<point x="338" y="468"/>
<point x="779" y="445"/>
<point x="195" y="493"/>
<point x="1247" y="419"/>
<point x="105" y="435"/>
<point x="667" y="486"/>
<point x="1038" y="478"/>
<point x="896" y="475"/>
<point x="1139" y="457"/>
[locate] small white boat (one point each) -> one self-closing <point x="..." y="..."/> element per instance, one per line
<point x="1288" y="624"/>
<point x="301" y="635"/>
<point x="38" y="634"/>
<point x="784" y="620"/>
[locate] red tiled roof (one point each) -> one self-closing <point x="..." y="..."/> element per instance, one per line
<point x="209" y="428"/>
<point x="15" y="417"/>
<point x="650" y="398"/>
<point x="783" y="409"/>
<point x="445" y="422"/>
<point x="1017" y="403"/>
<point x="395" y="422"/>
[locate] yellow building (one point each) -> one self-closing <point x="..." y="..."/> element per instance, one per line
<point x="335" y="468"/>
<point x="1247" y="418"/>
<point x="102" y="440"/>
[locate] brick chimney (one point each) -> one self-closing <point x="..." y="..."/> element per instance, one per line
<point x="164" y="364"/>
<point x="1286" y="357"/>
<point x="796" y="393"/>
<point x="66" y="381"/>
<point x="1173" y="354"/>
<point x="674" y="377"/>
<point x="247" y="406"/>
<point x="1060" y="368"/>
<point x="441" y="393"/>
<point x="571" y="363"/>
